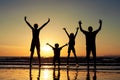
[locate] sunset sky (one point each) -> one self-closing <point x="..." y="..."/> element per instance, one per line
<point x="16" y="36"/>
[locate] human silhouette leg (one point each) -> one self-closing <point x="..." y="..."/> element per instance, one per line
<point x="58" y="62"/>
<point x="68" y="56"/>
<point x="54" y="61"/>
<point x="30" y="73"/>
<point x="88" y="62"/>
<point x="39" y="58"/>
<point x="32" y="52"/>
<point x="74" y="52"/>
<point x="31" y="58"/>
<point x="94" y="57"/>
<point x="88" y="57"/>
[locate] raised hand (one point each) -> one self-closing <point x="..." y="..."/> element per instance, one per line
<point x="66" y="44"/>
<point x="77" y="28"/>
<point x="64" y="28"/>
<point x="48" y="19"/>
<point x="25" y="18"/>
<point x="100" y="21"/>
<point x="80" y="22"/>
<point x="47" y="43"/>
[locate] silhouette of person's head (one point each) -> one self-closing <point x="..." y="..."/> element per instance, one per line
<point x="56" y="45"/>
<point x="35" y="26"/>
<point x="71" y="35"/>
<point x="90" y="29"/>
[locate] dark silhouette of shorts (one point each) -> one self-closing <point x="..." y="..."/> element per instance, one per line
<point x="35" y="44"/>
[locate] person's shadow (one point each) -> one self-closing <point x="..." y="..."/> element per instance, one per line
<point x="88" y="75"/>
<point x="56" y="73"/>
<point x="76" y="74"/>
<point x="30" y="74"/>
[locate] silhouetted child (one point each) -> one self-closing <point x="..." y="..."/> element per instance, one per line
<point x="71" y="43"/>
<point x="56" y="50"/>
<point x="35" y="39"/>
<point x="90" y="41"/>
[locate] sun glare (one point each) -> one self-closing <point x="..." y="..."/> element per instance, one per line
<point x="46" y="74"/>
<point x="46" y="48"/>
<point x="46" y="51"/>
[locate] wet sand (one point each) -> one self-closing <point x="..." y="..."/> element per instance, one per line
<point x="57" y="74"/>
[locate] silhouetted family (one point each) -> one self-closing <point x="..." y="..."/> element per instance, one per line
<point x="90" y="43"/>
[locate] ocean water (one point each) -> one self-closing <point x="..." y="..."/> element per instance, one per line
<point x="17" y="68"/>
<point x="102" y="63"/>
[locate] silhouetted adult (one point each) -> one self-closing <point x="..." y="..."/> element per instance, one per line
<point x="35" y="39"/>
<point x="90" y="41"/>
<point x="71" y="45"/>
<point x="56" y="50"/>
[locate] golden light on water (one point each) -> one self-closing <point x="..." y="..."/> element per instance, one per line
<point x="46" y="74"/>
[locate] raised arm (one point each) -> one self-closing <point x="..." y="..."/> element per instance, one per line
<point x="76" y="31"/>
<point x="25" y="18"/>
<point x="66" y="31"/>
<point x="100" y="21"/>
<point x="64" y="45"/>
<point x="45" y="24"/>
<point x="50" y="45"/>
<point x="81" y="27"/>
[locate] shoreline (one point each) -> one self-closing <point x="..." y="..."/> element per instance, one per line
<point x="62" y="64"/>
<point x="63" y="67"/>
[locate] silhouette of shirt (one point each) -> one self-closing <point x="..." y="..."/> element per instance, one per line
<point x="72" y="40"/>
<point x="90" y="38"/>
<point x="57" y="52"/>
<point x="35" y="33"/>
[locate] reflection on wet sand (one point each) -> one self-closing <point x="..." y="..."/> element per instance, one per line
<point x="88" y="74"/>
<point x="30" y="74"/>
<point x="58" y="74"/>
<point x="76" y="74"/>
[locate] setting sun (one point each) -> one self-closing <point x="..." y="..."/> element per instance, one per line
<point x="46" y="48"/>
<point x="46" y="51"/>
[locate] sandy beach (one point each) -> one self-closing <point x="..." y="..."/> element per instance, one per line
<point x="17" y="68"/>
<point x="46" y="73"/>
